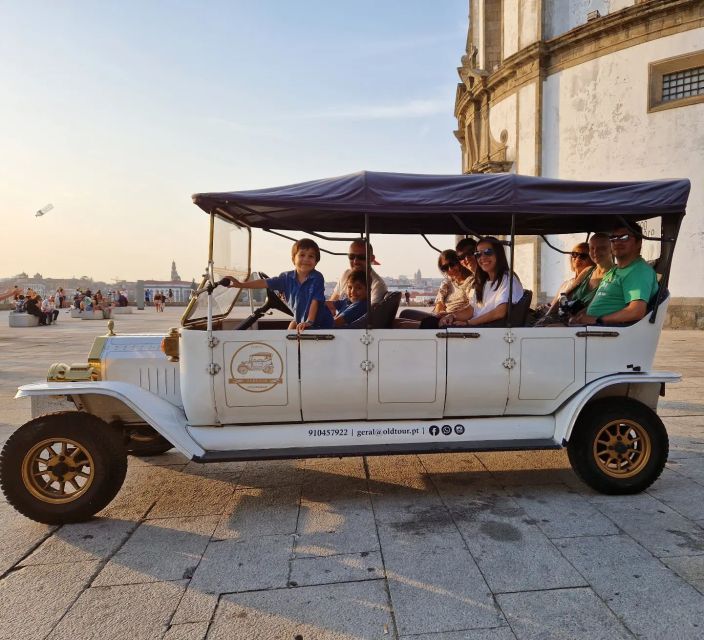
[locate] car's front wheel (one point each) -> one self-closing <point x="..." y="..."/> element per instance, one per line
<point x="63" y="467"/>
<point x="618" y="446"/>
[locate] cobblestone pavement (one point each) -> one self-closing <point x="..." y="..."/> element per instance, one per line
<point x="493" y="546"/>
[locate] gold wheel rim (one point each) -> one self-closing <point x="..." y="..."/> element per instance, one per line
<point x="622" y="448"/>
<point x="58" y="470"/>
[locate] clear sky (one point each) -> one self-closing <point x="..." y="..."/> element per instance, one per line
<point x="116" y="112"/>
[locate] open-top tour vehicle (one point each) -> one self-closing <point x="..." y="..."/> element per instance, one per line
<point x="221" y="388"/>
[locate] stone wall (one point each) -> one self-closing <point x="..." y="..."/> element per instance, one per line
<point x="685" y="313"/>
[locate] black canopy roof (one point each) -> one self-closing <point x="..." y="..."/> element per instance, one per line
<point x="475" y="203"/>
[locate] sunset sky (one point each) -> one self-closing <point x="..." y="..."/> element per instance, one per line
<point x="117" y="112"/>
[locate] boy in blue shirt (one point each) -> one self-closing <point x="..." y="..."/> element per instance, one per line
<point x="303" y="288"/>
<point x="354" y="306"/>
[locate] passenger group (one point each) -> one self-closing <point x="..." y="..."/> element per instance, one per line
<point x="477" y="285"/>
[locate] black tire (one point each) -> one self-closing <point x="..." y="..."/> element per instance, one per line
<point x="618" y="446"/>
<point x="84" y="475"/>
<point x="146" y="442"/>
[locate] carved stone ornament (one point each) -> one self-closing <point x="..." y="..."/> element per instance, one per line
<point x="479" y="89"/>
<point x="481" y="153"/>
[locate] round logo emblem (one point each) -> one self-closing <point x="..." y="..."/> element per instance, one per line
<point x="459" y="429"/>
<point x="446" y="429"/>
<point x="256" y="367"/>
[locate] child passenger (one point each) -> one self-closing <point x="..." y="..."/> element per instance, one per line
<point x="303" y="288"/>
<point x="355" y="305"/>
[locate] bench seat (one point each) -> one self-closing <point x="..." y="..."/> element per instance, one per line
<point x="22" y="319"/>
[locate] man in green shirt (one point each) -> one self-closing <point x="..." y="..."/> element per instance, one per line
<point x="624" y="292"/>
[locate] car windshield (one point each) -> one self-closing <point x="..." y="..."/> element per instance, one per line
<point x="231" y="249"/>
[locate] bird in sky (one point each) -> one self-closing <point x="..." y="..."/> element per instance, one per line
<point x="45" y="209"/>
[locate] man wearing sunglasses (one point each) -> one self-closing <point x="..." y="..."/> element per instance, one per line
<point x="624" y="292"/>
<point x="465" y="252"/>
<point x="358" y="262"/>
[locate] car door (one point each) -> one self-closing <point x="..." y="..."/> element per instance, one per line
<point x="547" y="366"/>
<point x="333" y="375"/>
<point x="256" y="377"/>
<point x="477" y="373"/>
<point x="406" y="374"/>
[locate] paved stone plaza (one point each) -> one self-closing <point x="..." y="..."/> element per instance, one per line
<point x="493" y="546"/>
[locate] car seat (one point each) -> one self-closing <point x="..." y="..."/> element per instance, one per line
<point x="382" y="313"/>
<point x="519" y="312"/>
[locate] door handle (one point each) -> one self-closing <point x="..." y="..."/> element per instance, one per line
<point x="459" y="334"/>
<point x="597" y="334"/>
<point x="310" y="336"/>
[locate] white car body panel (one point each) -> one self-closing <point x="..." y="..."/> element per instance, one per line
<point x="333" y="383"/>
<point x="460" y="388"/>
<point x="407" y="375"/>
<point x="167" y="419"/>
<point x="644" y="387"/>
<point x="548" y="366"/>
<point x="198" y="393"/>
<point x="139" y="360"/>
<point x="631" y="349"/>
<point x="320" y="435"/>
<point x="257" y="379"/>
<point x="477" y="380"/>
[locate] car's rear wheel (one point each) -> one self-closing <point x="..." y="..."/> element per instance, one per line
<point x="618" y="446"/>
<point x="63" y="467"/>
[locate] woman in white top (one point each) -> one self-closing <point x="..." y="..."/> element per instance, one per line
<point x="490" y="298"/>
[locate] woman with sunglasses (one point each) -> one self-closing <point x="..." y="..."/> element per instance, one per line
<point x="491" y="291"/>
<point x="582" y="266"/>
<point x="455" y="291"/>
<point x="600" y="253"/>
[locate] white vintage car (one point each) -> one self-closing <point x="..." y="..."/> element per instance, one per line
<point x="222" y="388"/>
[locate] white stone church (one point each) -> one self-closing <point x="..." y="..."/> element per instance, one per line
<point x="590" y="90"/>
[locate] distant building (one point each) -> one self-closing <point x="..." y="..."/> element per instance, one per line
<point x="181" y="288"/>
<point x="588" y="90"/>
<point x="174" y="273"/>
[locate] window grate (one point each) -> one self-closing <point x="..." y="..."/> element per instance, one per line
<point x="683" y="84"/>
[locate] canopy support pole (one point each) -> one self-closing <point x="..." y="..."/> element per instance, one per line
<point x="553" y="247"/>
<point x="422" y="235"/>
<point x="282" y="235"/>
<point x="368" y="271"/>
<point x="510" y="280"/>
<point x="211" y="278"/>
<point x="669" y="252"/>
<point x="465" y="229"/>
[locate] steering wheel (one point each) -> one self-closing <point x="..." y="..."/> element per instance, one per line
<point x="273" y="301"/>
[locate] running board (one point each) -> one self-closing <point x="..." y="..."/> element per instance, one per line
<point x="243" y="455"/>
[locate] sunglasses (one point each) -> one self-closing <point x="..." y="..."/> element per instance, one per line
<point x="356" y="256"/>
<point x="580" y="255"/>
<point x="483" y="252"/>
<point x="465" y="256"/>
<point x="447" y="266"/>
<point x="622" y="238"/>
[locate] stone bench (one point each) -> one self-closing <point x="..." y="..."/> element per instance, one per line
<point x="23" y="320"/>
<point x="96" y="314"/>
